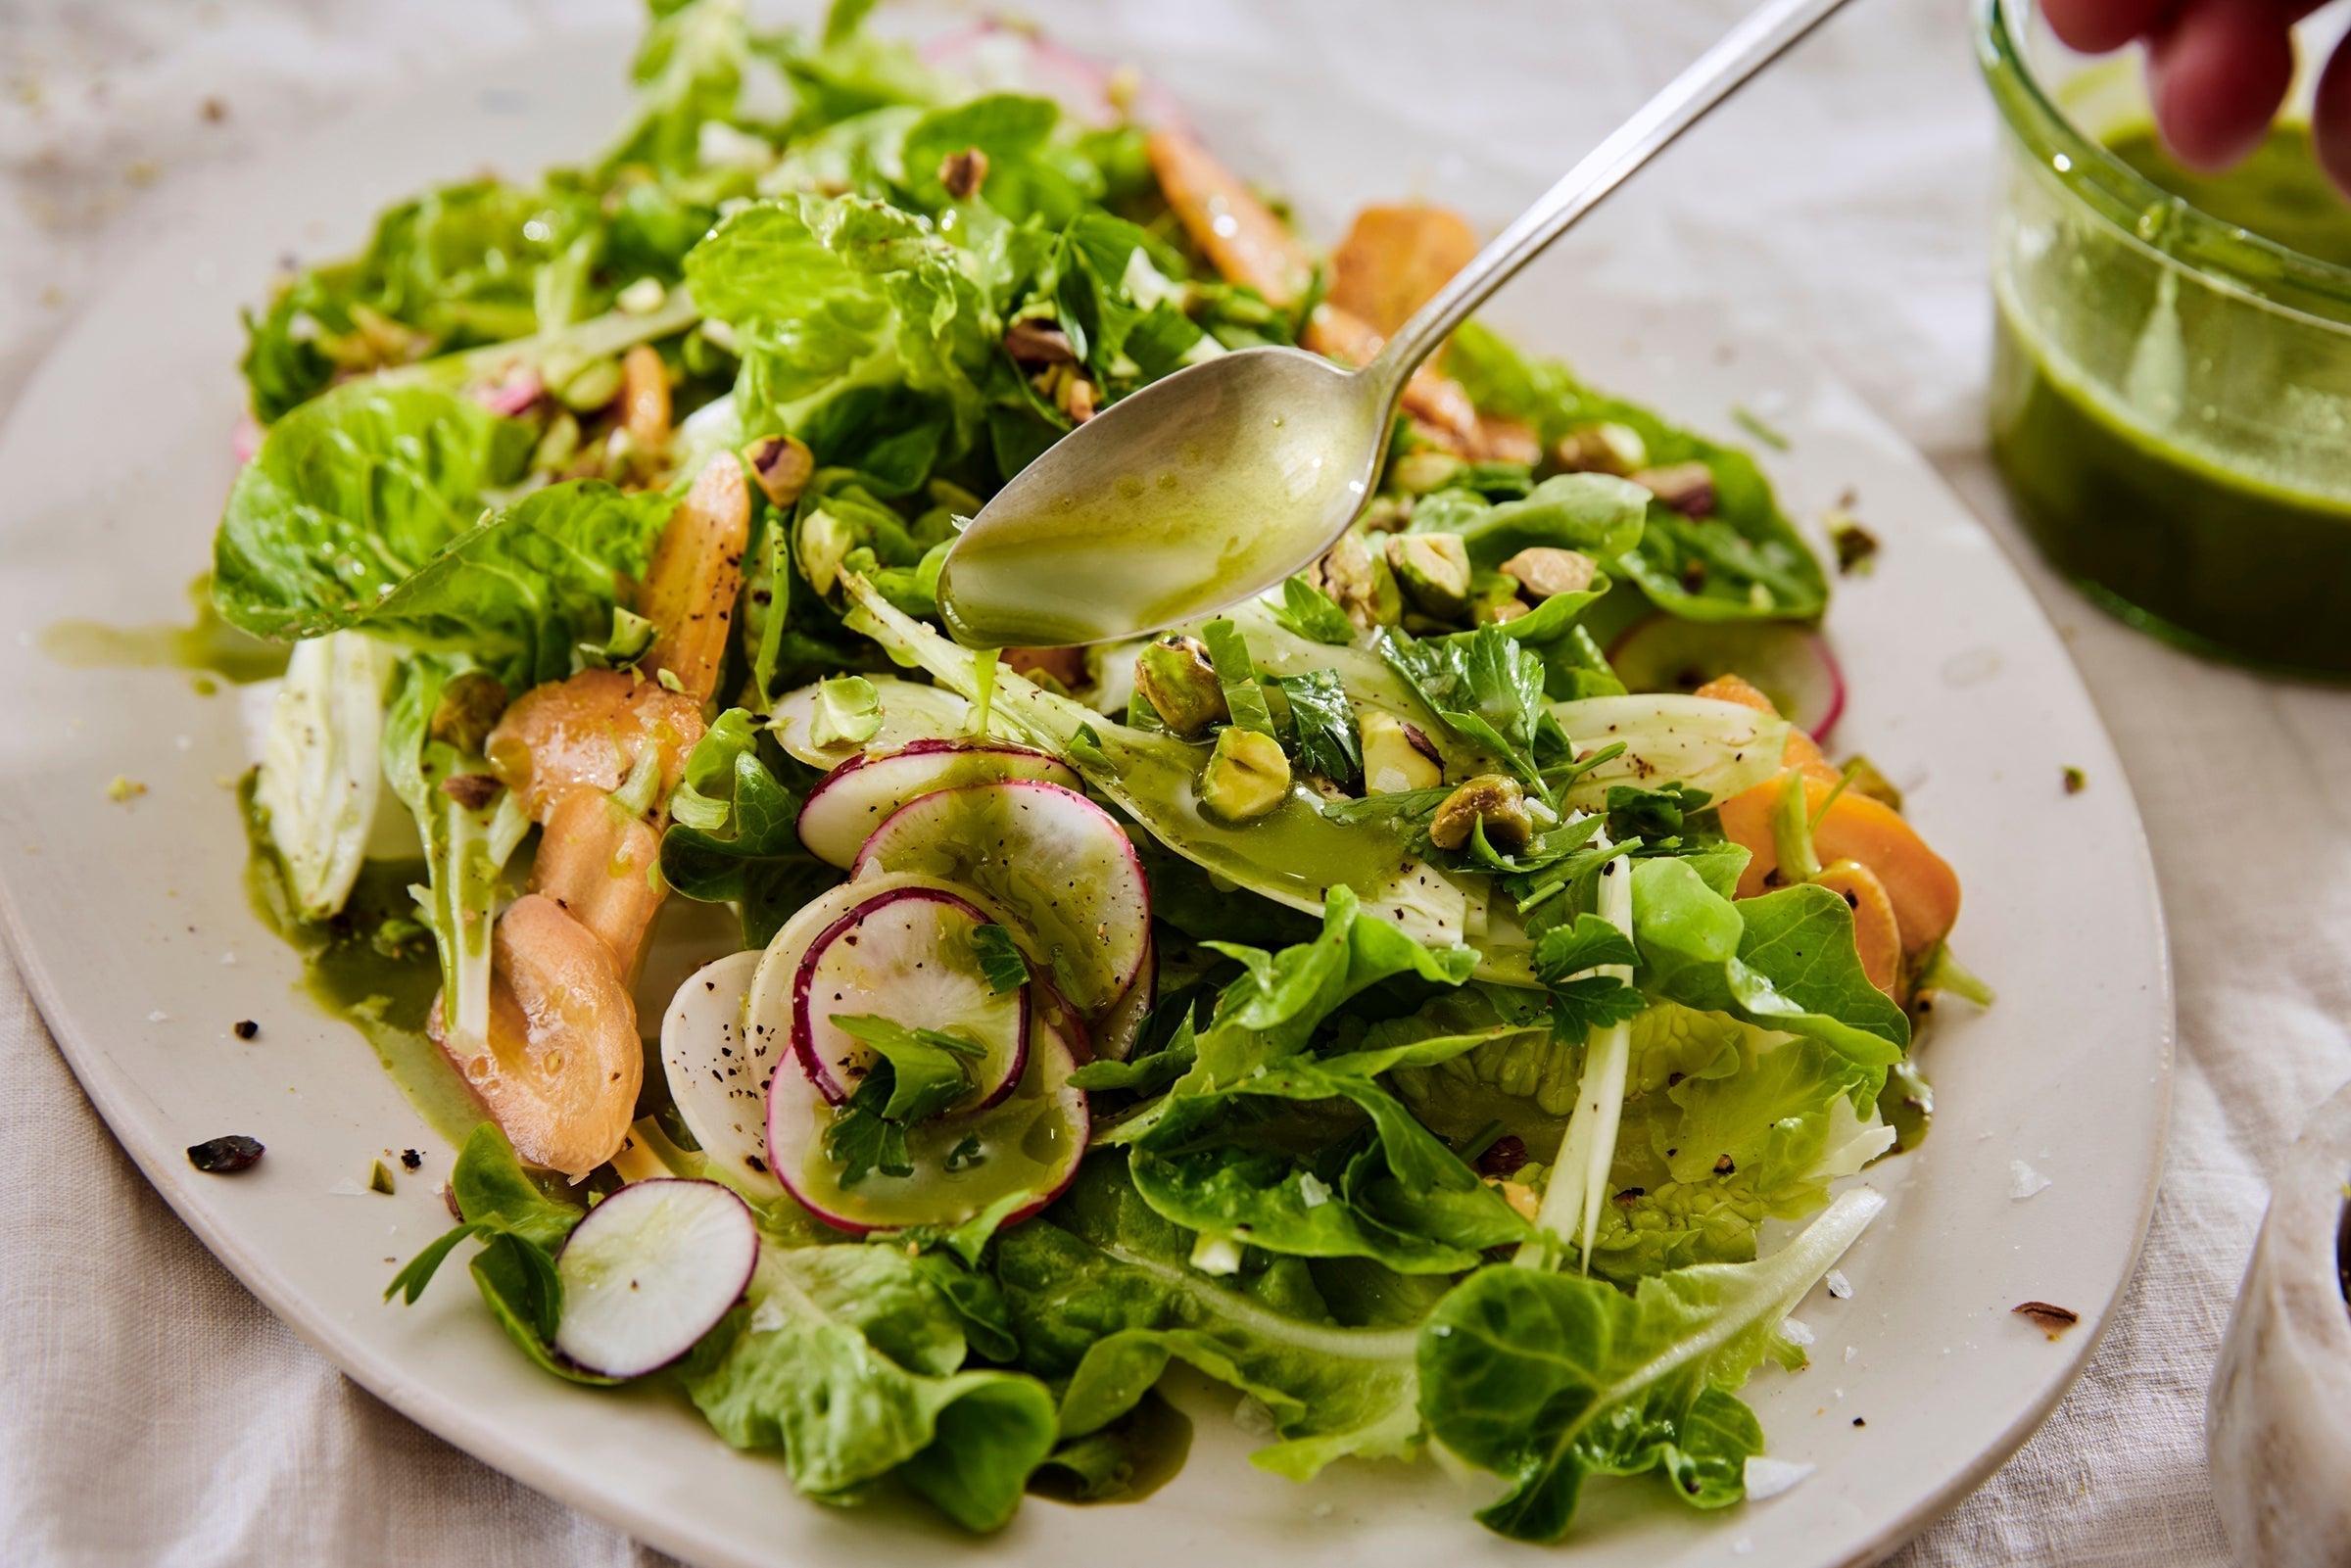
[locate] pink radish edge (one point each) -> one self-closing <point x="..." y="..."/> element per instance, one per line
<point x="811" y="823"/>
<point x="1082" y="87"/>
<point x="867" y="858"/>
<point x="803" y="1036"/>
<point x="700" y="1323"/>
<point x="1052" y="1051"/>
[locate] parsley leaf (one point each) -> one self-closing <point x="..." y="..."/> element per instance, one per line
<point x="1652" y="814"/>
<point x="1314" y="614"/>
<point x="1487" y="687"/>
<point x="1582" y="1002"/>
<point x="1587" y="944"/>
<point x="918" y="1073"/>
<point x="1000" y="959"/>
<point x="1322" y="725"/>
<point x="1236" y="673"/>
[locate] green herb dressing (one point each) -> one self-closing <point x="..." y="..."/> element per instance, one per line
<point x="385" y="995"/>
<point x="1100" y="560"/>
<point x="1153" y="1440"/>
<point x="210" y="645"/>
<point x="2177" y="529"/>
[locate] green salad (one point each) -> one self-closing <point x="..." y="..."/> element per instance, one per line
<point x="1404" y="998"/>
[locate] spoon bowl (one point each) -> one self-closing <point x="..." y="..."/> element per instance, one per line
<point x="1222" y="478"/>
<point x="1200" y="490"/>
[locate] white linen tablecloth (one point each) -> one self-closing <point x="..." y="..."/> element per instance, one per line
<point x="151" y="1411"/>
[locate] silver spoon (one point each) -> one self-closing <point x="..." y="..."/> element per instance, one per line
<point x="1219" y="481"/>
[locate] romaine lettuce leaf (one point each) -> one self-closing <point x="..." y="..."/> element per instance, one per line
<point x="735" y="837"/>
<point x="1102" y="1298"/>
<point x="347" y="496"/>
<point x="1784" y="961"/>
<point x="845" y="1357"/>
<point x="1744" y="562"/>
<point x="1546" y="1379"/>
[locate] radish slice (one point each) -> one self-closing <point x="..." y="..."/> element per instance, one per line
<point x="1117" y="1030"/>
<point x="910" y="711"/>
<point x="1061" y="864"/>
<point x="1790" y="664"/>
<point x="1030" y="1145"/>
<point x="718" y="1069"/>
<point x="908" y="956"/>
<point x="650" y="1271"/>
<point x="998" y="57"/>
<point x="849" y="803"/>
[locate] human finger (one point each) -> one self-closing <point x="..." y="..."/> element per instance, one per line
<point x="2096" y="26"/>
<point x="2218" y="71"/>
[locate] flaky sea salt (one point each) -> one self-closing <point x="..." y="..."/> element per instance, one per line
<point x="2024" y="1181"/>
<point x="1768" y="1477"/>
<point x="1796" y="1332"/>
<point x="1839" y="1286"/>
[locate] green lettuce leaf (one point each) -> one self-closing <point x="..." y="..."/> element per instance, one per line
<point x="830" y="296"/>
<point x="1784" y="961"/>
<point x="1546" y="1379"/>
<point x="1102" y="1298"/>
<point x="737" y="839"/>
<point x="1724" y="1126"/>
<point x="845" y="1357"/>
<point x="350" y="495"/>
<point x="1744" y="562"/>
<point x="521" y="1229"/>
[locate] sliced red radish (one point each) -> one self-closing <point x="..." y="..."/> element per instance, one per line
<point x="1027" y="1146"/>
<point x="650" y="1271"/>
<point x="1790" y="664"/>
<point x="1004" y="56"/>
<point x="909" y="955"/>
<point x="849" y="803"/>
<point x="1060" y="865"/>
<point x="718" y="1069"/>
<point x="1116" y="1031"/>
<point x="910" y="711"/>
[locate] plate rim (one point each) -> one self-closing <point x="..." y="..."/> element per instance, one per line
<point x="111" y="1091"/>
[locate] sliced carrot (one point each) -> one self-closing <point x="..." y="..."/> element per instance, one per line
<point x="1920" y="886"/>
<point x="1225" y="219"/>
<point x="1395" y="259"/>
<point x="1877" y="934"/>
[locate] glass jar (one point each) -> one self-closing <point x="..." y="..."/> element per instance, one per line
<point x="2171" y="397"/>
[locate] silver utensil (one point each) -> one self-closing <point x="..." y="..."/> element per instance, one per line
<point x="1217" y="482"/>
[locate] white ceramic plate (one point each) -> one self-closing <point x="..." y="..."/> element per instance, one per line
<point x="132" y="927"/>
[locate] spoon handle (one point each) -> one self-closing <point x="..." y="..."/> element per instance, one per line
<point x="1713" y="76"/>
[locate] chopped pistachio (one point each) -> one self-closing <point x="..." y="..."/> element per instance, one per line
<point x="1358" y="580"/>
<point x="1397" y="756"/>
<point x="824" y="542"/>
<point x="595" y="384"/>
<point x="1603" y="448"/>
<point x="1247" y="776"/>
<point x="1489" y="798"/>
<point x="1417" y="473"/>
<point x="1542" y="571"/>
<point x="559" y="444"/>
<point x="1037" y="341"/>
<point x="1433" y="571"/>
<point x="847" y="711"/>
<point x="1686" y="487"/>
<point x="1174" y="675"/>
<point x="470" y="706"/>
<point x="963" y="174"/>
<point x="381" y="1179"/>
<point x="781" y="465"/>
<point x="1499" y="612"/>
